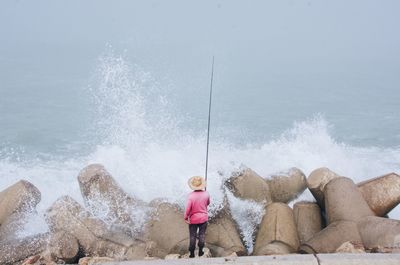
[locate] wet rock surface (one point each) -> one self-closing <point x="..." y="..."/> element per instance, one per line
<point x="277" y="233"/>
<point x="223" y="236"/>
<point x="21" y="197"/>
<point x="382" y="193"/>
<point x="317" y="181"/>
<point x="350" y="218"/>
<point x="19" y="249"/>
<point x="331" y="238"/>
<point x="286" y="187"/>
<point x="62" y="246"/>
<point x="167" y="229"/>
<point x="93" y="235"/>
<point x="248" y="185"/>
<point x="353" y="215"/>
<point x="308" y="219"/>
<point x="17" y="203"/>
<point x="103" y="195"/>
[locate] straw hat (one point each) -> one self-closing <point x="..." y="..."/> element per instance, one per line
<point x="197" y="183"/>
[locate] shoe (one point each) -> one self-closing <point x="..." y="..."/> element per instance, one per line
<point x="191" y="254"/>
<point x="201" y="252"/>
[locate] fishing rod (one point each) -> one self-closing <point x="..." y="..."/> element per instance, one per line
<point x="209" y="116"/>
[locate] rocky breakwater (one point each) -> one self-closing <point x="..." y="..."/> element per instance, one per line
<point x="114" y="225"/>
<point x="111" y="224"/>
<point x="354" y="212"/>
<point x="346" y="217"/>
<point x="16" y="203"/>
<point x="277" y="232"/>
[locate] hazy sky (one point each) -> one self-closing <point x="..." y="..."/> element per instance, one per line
<point x="290" y="36"/>
<point x="361" y="29"/>
<point x="265" y="51"/>
<point x="285" y="36"/>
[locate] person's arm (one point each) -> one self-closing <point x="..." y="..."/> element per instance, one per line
<point x="188" y="209"/>
<point x="208" y="201"/>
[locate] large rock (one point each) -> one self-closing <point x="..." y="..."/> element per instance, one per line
<point x="286" y="187"/>
<point x="21" y="197"/>
<point x="332" y="237"/>
<point x="247" y="184"/>
<point x="344" y="202"/>
<point x="17" y="203"/>
<point x="167" y="228"/>
<point x="62" y="246"/>
<point x="277" y="233"/>
<point x="13" y="224"/>
<point x="19" y="249"/>
<point x="104" y="197"/>
<point x="345" y="207"/>
<point x="307" y="216"/>
<point x="223" y="236"/>
<point x="378" y="232"/>
<point x="317" y="181"/>
<point x="94" y="236"/>
<point x="350" y="219"/>
<point x="382" y="193"/>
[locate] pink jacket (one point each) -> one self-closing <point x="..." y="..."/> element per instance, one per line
<point x="196" y="207"/>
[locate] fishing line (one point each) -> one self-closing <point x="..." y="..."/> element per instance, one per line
<point x="209" y="116"/>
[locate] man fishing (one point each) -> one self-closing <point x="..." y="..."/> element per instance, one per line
<point x="196" y="214"/>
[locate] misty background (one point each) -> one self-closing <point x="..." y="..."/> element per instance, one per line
<point x="304" y="84"/>
<point x="277" y="62"/>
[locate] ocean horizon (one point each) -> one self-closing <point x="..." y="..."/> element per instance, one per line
<point x="288" y="92"/>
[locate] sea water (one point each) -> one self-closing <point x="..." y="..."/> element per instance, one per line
<point x="150" y="131"/>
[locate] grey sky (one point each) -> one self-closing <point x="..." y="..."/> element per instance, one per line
<point x="359" y="29"/>
<point x="318" y="52"/>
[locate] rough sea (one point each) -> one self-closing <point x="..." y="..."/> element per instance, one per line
<point x="142" y="112"/>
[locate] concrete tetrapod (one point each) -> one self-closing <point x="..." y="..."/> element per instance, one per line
<point x="66" y="215"/>
<point x="351" y="219"/>
<point x="277" y="233"/>
<point x="331" y="238"/>
<point x="248" y="185"/>
<point x="379" y="232"/>
<point x="344" y="202"/>
<point x="14" y="223"/>
<point x="167" y="229"/>
<point x="62" y="246"/>
<point x="345" y="207"/>
<point x="20" y="197"/>
<point x="15" y="250"/>
<point x="316" y="182"/>
<point x="17" y="202"/>
<point x="102" y="195"/>
<point x="222" y="235"/>
<point x="286" y="187"/>
<point x="308" y="219"/>
<point x="382" y="193"/>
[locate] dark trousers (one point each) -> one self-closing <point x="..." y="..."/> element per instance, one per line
<point x="193" y="235"/>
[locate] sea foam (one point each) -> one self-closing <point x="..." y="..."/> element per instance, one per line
<point x="138" y="138"/>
